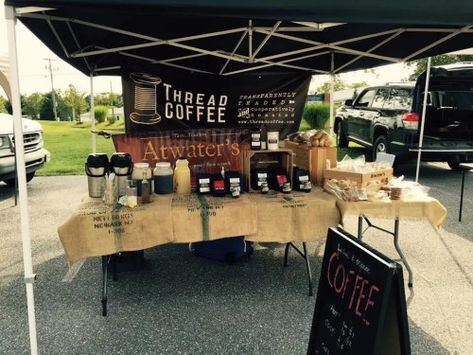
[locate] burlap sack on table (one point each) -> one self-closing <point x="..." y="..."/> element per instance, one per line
<point x="410" y="209"/>
<point x="202" y="217"/>
<point x="95" y="229"/>
<point x="295" y="217"/>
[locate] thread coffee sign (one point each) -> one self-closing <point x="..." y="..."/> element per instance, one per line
<point x="158" y="98"/>
<point x="360" y="306"/>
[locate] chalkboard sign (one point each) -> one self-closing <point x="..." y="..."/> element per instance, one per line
<point x="360" y="306"/>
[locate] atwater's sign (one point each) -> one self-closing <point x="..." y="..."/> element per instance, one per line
<point x="157" y="99"/>
<point x="360" y="307"/>
<point x="207" y="150"/>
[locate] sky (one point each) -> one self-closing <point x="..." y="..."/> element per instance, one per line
<point x="34" y="76"/>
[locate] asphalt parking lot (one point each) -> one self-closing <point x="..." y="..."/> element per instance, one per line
<point x="181" y="304"/>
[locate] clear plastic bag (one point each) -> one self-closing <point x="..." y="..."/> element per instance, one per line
<point x="410" y="189"/>
<point x="346" y="190"/>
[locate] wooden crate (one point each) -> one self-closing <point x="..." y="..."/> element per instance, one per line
<point x="313" y="159"/>
<point x="362" y="179"/>
<point x="261" y="159"/>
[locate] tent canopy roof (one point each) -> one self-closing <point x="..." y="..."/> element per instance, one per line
<point x="232" y="37"/>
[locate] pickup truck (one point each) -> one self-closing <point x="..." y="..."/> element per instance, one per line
<point x="35" y="155"/>
<point x="388" y="118"/>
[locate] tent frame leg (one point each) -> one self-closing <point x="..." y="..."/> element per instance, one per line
<point x="460" y="212"/>
<point x="305" y="256"/>
<point x="105" y="262"/>
<point x="21" y="176"/>
<point x="395" y="235"/>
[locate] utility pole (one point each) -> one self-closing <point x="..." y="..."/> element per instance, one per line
<point x="53" y="93"/>
<point x="111" y="96"/>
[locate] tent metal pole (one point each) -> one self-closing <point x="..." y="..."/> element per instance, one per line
<point x="380" y="44"/>
<point x="334" y="46"/>
<point x="92" y="113"/>
<point x="422" y="122"/>
<point x="320" y="45"/>
<point x="233" y="52"/>
<point x="16" y="180"/>
<point x="58" y="38"/>
<point x="332" y="79"/>
<point x="21" y="175"/>
<point x="156" y="41"/>
<point x="107" y="68"/>
<point x="163" y="62"/>
<point x="282" y="62"/>
<point x="175" y="59"/>
<point x="76" y="41"/>
<point x="436" y="43"/>
<point x="263" y="42"/>
<point x="250" y="38"/>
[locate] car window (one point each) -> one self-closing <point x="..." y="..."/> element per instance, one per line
<point x="381" y="96"/>
<point x="455" y="99"/>
<point x="400" y="99"/>
<point x="365" y="99"/>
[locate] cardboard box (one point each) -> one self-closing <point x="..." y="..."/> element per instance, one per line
<point x="313" y="159"/>
<point x="362" y="179"/>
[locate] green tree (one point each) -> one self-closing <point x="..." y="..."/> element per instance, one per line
<point x="63" y="111"/>
<point x="357" y="88"/>
<point x="3" y="105"/>
<point x="420" y="65"/>
<point x="338" y="84"/>
<point x="75" y="101"/>
<point x="32" y="104"/>
<point x="102" y="99"/>
<point x="108" y="99"/>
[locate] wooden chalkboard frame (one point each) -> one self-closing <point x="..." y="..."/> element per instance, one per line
<point x="388" y="331"/>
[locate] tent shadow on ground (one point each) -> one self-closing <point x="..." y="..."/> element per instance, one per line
<point x="178" y="303"/>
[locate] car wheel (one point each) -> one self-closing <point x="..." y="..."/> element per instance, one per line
<point x="455" y="166"/>
<point x="380" y="145"/>
<point x="11" y="182"/>
<point x="342" y="140"/>
<point x="29" y="176"/>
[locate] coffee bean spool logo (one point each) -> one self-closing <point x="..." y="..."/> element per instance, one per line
<point x="146" y="111"/>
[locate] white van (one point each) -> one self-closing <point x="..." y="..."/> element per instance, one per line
<point x="35" y="155"/>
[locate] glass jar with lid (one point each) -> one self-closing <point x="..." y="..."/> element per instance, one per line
<point x="142" y="171"/>
<point x="163" y="178"/>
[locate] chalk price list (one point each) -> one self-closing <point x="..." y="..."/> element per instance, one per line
<point x="343" y="335"/>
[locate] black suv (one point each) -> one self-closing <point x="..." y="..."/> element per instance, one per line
<point x="387" y="118"/>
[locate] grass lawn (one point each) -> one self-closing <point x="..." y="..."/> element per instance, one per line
<point x="69" y="144"/>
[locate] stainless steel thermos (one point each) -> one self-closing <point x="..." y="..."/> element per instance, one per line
<point x="122" y="165"/>
<point x="96" y="168"/>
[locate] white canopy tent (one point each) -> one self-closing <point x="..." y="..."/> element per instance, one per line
<point x="232" y="46"/>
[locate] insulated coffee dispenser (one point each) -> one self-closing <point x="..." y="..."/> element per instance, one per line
<point x="96" y="168"/>
<point x="122" y="165"/>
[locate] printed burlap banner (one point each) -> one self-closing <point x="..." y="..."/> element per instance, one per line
<point x="294" y="217"/>
<point x="95" y="229"/>
<point x="197" y="217"/>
